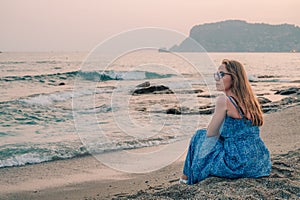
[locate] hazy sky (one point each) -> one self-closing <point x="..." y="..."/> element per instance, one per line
<point x="79" y="25"/>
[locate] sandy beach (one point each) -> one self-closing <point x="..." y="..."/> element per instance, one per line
<point x="100" y="99"/>
<point x="87" y="178"/>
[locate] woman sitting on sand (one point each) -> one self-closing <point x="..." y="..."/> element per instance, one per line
<point x="231" y="146"/>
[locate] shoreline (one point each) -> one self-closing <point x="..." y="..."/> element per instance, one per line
<point x="86" y="178"/>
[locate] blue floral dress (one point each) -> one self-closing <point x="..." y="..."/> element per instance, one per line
<point x="238" y="152"/>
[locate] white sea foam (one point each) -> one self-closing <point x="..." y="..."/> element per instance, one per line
<point x="47" y="99"/>
<point x="23" y="159"/>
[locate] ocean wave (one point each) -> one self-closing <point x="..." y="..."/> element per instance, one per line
<point x="121" y="75"/>
<point x="15" y="115"/>
<point x="49" y="99"/>
<point x="19" y="155"/>
<point x="64" y="75"/>
<point x="90" y="76"/>
<point x="11" y="156"/>
<point x="2" y="134"/>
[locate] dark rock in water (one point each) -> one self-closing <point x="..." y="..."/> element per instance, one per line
<point x="207" y="111"/>
<point x="263" y="100"/>
<point x="198" y="91"/>
<point x="203" y="110"/>
<point x="288" y="91"/>
<point x="163" y="92"/>
<point x="143" y="109"/>
<point x="259" y="95"/>
<point x="207" y="96"/>
<point x="174" y="111"/>
<point x="190" y="91"/>
<point x="145" y="84"/>
<point x="269" y="108"/>
<point x="159" y="89"/>
<point x="62" y="83"/>
<point x="184" y="109"/>
<point x="206" y="106"/>
<point x="288" y="100"/>
<point x="277" y="105"/>
<point x="267" y="76"/>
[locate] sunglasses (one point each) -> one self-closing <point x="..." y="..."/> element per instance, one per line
<point x="219" y="75"/>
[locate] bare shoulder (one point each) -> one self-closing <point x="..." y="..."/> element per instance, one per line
<point x="221" y="100"/>
<point x="221" y="103"/>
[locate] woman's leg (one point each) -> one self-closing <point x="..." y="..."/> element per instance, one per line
<point x="196" y="140"/>
<point x="188" y="160"/>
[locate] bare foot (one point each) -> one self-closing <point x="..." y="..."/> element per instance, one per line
<point x="184" y="177"/>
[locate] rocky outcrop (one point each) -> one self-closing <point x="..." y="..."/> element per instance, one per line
<point x="263" y="100"/>
<point x="207" y="96"/>
<point x="174" y="111"/>
<point x="240" y="36"/>
<point x="288" y="91"/>
<point x="266" y="104"/>
<point x="156" y="89"/>
<point x="145" y="84"/>
<point x="276" y="105"/>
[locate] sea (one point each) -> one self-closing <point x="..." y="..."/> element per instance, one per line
<point x="61" y="105"/>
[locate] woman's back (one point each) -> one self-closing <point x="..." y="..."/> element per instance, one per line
<point x="232" y="110"/>
<point x="244" y="153"/>
<point x="236" y="124"/>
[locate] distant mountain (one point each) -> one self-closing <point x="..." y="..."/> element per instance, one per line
<point x="240" y="36"/>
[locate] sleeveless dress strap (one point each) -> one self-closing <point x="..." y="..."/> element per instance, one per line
<point x="236" y="106"/>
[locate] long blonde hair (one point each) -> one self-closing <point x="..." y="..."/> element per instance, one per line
<point x="241" y="88"/>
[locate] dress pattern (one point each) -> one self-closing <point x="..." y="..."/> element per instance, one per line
<point x="238" y="152"/>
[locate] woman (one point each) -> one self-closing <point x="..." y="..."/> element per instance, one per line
<point x="231" y="146"/>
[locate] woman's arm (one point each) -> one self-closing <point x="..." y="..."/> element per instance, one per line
<point x="215" y="124"/>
